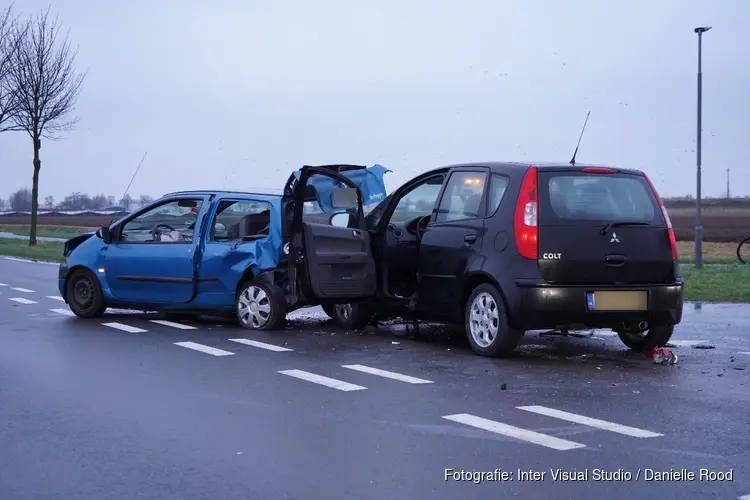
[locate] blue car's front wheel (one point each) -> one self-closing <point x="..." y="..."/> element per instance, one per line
<point x="84" y="294"/>
<point x="260" y="306"/>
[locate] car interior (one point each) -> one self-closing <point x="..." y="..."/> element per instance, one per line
<point x="399" y="250"/>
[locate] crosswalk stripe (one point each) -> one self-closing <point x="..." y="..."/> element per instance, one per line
<point x="22" y="300"/>
<point x="55" y="297"/>
<point x="124" y="328"/>
<point x="320" y="379"/>
<point x="172" y="324"/>
<point x="204" y="348"/>
<point x="384" y="373"/>
<point x="262" y="345"/>
<point x="64" y="312"/>
<point x="24" y="290"/>
<point x="591" y="422"/>
<point x="515" y="432"/>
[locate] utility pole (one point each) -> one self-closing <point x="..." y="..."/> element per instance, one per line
<point x="728" y="194"/>
<point x="698" y="221"/>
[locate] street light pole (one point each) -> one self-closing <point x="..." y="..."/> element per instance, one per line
<point x="698" y="221"/>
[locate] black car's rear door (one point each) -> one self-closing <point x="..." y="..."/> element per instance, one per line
<point x="330" y="253"/>
<point x="452" y="240"/>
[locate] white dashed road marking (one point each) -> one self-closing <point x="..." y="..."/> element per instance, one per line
<point x="383" y="373"/>
<point x="124" y="328"/>
<point x="64" y="312"/>
<point x="319" y="379"/>
<point x="22" y="301"/>
<point x="204" y="348"/>
<point x="515" y="432"/>
<point x="172" y="324"/>
<point x="24" y="290"/>
<point x="745" y="352"/>
<point x="744" y="497"/>
<point x="262" y="345"/>
<point x="591" y="422"/>
<point x="55" y="297"/>
<point x="3" y="284"/>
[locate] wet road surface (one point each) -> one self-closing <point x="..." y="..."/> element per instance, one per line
<point x="132" y="406"/>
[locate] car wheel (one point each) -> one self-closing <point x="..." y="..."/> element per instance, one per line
<point x="643" y="341"/>
<point x="487" y="323"/>
<point x="350" y="316"/>
<point x="260" y="306"/>
<point x="84" y="294"/>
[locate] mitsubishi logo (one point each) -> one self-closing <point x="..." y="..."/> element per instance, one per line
<point x="614" y="238"/>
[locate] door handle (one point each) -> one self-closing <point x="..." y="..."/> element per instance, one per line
<point x="470" y="238"/>
<point x="615" y="260"/>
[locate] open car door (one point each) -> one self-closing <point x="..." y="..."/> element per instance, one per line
<point x="329" y="257"/>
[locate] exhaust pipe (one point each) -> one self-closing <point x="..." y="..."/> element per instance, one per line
<point x="643" y="325"/>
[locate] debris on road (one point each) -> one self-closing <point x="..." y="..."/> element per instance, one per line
<point x="503" y="387"/>
<point x="662" y="355"/>
<point x="703" y="346"/>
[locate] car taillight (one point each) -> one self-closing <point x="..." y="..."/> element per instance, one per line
<point x="665" y="214"/>
<point x="525" y="221"/>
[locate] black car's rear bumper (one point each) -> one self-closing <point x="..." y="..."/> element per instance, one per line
<point x="541" y="306"/>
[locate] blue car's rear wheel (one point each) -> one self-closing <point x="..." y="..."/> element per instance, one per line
<point x="260" y="306"/>
<point x="84" y="294"/>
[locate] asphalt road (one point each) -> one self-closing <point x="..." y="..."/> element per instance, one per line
<point x="127" y="408"/>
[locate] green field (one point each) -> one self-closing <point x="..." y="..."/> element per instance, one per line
<point x="44" y="231"/>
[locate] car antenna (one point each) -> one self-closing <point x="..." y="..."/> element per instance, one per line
<point x="133" y="178"/>
<point x="573" y="160"/>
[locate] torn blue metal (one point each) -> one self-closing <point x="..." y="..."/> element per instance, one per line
<point x="370" y="182"/>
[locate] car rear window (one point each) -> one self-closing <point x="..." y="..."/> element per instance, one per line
<point x="600" y="197"/>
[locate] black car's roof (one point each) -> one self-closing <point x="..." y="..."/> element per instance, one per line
<point x="504" y="166"/>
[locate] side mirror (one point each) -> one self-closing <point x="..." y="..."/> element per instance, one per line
<point x="105" y="234"/>
<point x="341" y="219"/>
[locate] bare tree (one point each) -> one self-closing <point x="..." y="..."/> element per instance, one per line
<point x="46" y="86"/>
<point x="11" y="34"/>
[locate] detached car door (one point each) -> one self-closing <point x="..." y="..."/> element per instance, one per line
<point x="330" y="256"/>
<point x="152" y="255"/>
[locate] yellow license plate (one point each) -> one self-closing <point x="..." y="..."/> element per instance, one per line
<point x="618" y="301"/>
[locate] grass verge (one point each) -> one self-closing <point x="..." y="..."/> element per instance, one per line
<point x="717" y="282"/>
<point x="44" y="231"/>
<point x="48" y="251"/>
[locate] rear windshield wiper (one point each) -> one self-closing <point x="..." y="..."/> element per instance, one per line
<point x="609" y="226"/>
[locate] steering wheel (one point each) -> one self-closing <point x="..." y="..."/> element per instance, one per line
<point x="155" y="231"/>
<point x="422" y="225"/>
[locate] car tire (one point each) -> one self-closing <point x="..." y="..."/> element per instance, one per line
<point x="657" y="336"/>
<point x="349" y="316"/>
<point x="260" y="306"/>
<point x="486" y="323"/>
<point x="83" y="292"/>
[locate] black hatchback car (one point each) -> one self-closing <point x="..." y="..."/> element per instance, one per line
<point x="509" y="247"/>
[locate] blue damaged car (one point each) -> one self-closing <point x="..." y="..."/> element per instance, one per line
<point x="258" y="256"/>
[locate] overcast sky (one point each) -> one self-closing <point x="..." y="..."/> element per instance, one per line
<point x="237" y="93"/>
